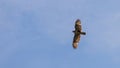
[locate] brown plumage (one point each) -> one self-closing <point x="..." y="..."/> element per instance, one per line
<point x="77" y="32"/>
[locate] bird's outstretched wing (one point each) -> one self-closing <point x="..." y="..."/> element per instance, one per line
<point x="76" y="40"/>
<point x="77" y="32"/>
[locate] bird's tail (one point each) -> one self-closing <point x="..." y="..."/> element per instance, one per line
<point x="83" y="33"/>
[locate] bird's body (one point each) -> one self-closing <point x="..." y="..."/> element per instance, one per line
<point x="77" y="33"/>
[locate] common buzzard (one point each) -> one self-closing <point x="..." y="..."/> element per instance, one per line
<point x="77" y="32"/>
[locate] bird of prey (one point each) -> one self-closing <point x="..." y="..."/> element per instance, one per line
<point x="77" y="32"/>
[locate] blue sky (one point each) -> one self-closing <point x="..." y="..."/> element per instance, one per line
<point x="38" y="34"/>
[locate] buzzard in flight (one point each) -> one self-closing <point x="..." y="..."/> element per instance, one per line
<point x="77" y="32"/>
